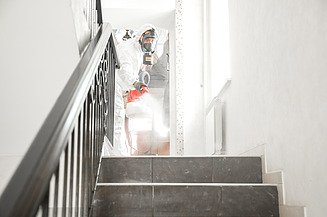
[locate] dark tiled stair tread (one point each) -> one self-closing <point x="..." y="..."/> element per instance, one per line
<point x="126" y="170"/>
<point x="186" y="200"/>
<point x="182" y="169"/>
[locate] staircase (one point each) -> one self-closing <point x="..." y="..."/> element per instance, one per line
<point x="183" y="186"/>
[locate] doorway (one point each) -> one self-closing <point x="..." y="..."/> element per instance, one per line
<point x="147" y="122"/>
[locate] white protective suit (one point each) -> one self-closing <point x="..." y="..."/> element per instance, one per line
<point x="130" y="57"/>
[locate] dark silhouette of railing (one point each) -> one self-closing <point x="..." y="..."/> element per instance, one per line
<point x="58" y="173"/>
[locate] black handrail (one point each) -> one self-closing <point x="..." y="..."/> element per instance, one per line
<point x="62" y="161"/>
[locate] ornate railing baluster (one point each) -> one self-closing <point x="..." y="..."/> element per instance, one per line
<point x="56" y="190"/>
<point x="85" y="161"/>
<point x="111" y="89"/>
<point x="92" y="132"/>
<point x="45" y="205"/>
<point x="78" y="164"/>
<point x="65" y="179"/>
<point x="71" y="175"/>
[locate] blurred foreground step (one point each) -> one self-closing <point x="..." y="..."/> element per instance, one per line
<point x="185" y="199"/>
<point x="181" y="170"/>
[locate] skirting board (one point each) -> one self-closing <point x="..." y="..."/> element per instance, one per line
<point x="275" y="177"/>
<point x="292" y="211"/>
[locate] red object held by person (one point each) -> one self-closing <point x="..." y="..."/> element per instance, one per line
<point x="134" y="95"/>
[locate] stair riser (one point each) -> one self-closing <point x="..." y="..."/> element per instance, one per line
<point x="181" y="170"/>
<point x="190" y="201"/>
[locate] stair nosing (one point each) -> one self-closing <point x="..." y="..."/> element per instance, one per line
<point x="189" y="156"/>
<point x="185" y="184"/>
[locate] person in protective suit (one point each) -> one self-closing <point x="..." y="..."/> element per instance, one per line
<point x="133" y="55"/>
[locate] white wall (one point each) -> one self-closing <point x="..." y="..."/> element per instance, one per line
<point x="38" y="54"/>
<point x="216" y="61"/>
<point x="279" y="90"/>
<point x="194" y="119"/>
<point x="83" y="32"/>
<point x="217" y="46"/>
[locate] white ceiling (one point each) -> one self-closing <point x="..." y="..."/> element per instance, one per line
<point x="132" y="14"/>
<point x="164" y="5"/>
<point x="134" y="18"/>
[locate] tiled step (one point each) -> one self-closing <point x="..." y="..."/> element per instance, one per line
<point x="181" y="170"/>
<point x="185" y="199"/>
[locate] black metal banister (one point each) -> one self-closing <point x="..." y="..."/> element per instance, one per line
<point x="74" y="114"/>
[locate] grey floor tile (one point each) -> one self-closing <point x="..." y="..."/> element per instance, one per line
<point x="256" y="201"/>
<point x="178" y="170"/>
<point x="237" y="170"/>
<point x="186" y="201"/>
<point x="123" y="201"/>
<point x="120" y="170"/>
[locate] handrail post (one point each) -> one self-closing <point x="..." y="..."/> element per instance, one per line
<point x="217" y="105"/>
